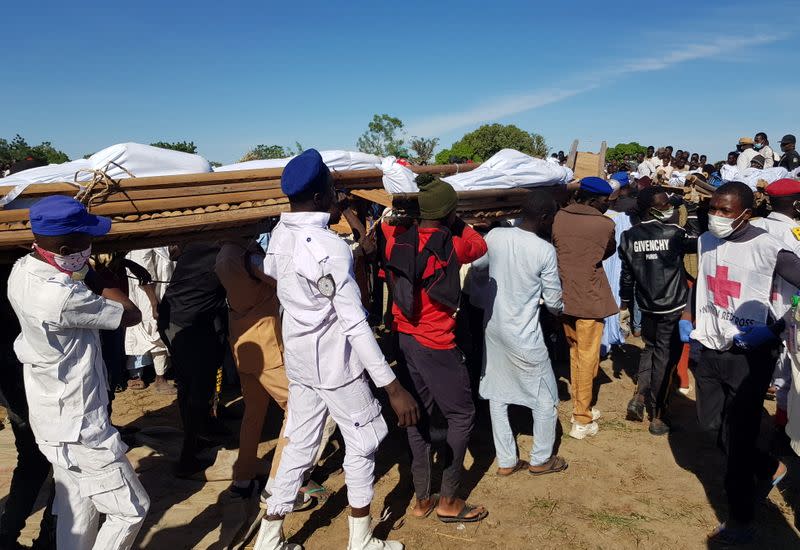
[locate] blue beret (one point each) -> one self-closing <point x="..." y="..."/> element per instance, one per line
<point x="57" y="215"/>
<point x="305" y="172"/>
<point x="622" y="177"/>
<point x="598" y="186"/>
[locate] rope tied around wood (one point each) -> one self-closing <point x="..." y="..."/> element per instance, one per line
<point x="98" y="189"/>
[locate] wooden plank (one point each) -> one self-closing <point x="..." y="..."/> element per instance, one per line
<point x="573" y="154"/>
<point x="234" y="176"/>
<point x="601" y="168"/>
<point x="159" y="205"/>
<point x="379" y="196"/>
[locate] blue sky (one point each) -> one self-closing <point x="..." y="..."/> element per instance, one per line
<point x="230" y="75"/>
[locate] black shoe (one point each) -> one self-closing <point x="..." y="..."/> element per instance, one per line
<point x="636" y="409"/>
<point x="658" y="427"/>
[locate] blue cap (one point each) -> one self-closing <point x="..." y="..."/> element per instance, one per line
<point x="305" y="172"/>
<point x="598" y="186"/>
<point x="58" y="215"/>
<point x="622" y="177"/>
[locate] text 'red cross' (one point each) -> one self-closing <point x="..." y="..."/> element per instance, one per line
<point x="723" y="288"/>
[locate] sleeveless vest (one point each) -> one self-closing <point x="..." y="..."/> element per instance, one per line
<point x="734" y="283"/>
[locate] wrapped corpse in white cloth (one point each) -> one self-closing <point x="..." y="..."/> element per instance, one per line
<point x="508" y="169"/>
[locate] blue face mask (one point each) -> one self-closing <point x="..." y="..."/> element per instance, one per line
<point x="758" y="146"/>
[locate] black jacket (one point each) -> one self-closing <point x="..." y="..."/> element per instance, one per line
<point x="790" y="160"/>
<point x="652" y="265"/>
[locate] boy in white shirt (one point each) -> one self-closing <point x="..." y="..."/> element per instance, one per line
<point x="61" y="305"/>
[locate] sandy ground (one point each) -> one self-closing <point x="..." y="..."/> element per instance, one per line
<point x="623" y="489"/>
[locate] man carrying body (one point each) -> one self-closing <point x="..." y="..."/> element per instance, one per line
<point x="328" y="346"/>
<point x="423" y="262"/>
<point x="192" y="325"/>
<point x="61" y="306"/>
<point x="143" y="344"/>
<point x="737" y="263"/>
<point x="583" y="238"/>
<point x="782" y="223"/>
<point x="255" y="339"/>
<point x="652" y="272"/>
<point x="522" y="271"/>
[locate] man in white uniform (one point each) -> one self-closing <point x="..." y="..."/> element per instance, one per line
<point x="328" y="346"/>
<point x="61" y="306"/>
<point x="782" y="223"/>
<point x="737" y="263"/>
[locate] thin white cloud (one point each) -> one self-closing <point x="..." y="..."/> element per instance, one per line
<point x="507" y="106"/>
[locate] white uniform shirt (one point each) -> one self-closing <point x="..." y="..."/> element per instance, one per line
<point x="780" y="226"/>
<point x="769" y="156"/>
<point x="327" y="340"/>
<point x="64" y="374"/>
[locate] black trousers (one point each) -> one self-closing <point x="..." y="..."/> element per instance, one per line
<point x="196" y="352"/>
<point x="662" y="349"/>
<point x="439" y="379"/>
<point x="32" y="467"/>
<point x="730" y="396"/>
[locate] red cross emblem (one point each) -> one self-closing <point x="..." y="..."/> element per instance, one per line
<point x="722" y="287"/>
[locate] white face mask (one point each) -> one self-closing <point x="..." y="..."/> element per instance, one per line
<point x="69" y="263"/>
<point x="722" y="227"/>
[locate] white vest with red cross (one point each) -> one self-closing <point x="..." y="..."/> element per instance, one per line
<point x="734" y="284"/>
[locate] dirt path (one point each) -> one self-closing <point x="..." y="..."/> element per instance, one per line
<point x="623" y="489"/>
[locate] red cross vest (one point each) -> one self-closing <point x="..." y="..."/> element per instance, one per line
<point x="734" y="283"/>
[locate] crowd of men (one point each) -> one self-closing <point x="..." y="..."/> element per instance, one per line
<point x="701" y="283"/>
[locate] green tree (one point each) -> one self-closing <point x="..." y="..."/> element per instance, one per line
<point x="423" y="149"/>
<point x="540" y="148"/>
<point x="491" y="138"/>
<point x="458" y="150"/>
<point x="621" y="150"/>
<point x="183" y="146"/>
<point x="263" y="152"/>
<point x="384" y="137"/>
<point x="18" y="149"/>
<point x="47" y="152"/>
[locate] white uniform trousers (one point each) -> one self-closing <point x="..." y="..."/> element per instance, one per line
<point x="91" y="481"/>
<point x="358" y="415"/>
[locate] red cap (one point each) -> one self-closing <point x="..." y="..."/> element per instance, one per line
<point x="783" y="188"/>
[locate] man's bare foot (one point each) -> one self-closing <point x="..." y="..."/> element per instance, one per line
<point x="425" y="506"/>
<point x="162" y="386"/>
<point x="456" y="509"/>
<point x="505" y="472"/>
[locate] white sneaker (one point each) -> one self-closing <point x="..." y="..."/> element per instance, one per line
<point x="580" y="431"/>
<point x="361" y="537"/>
<point x="270" y="537"/>
<point x="596" y="415"/>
